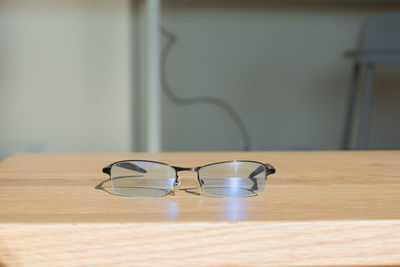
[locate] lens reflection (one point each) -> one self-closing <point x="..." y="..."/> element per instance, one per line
<point x="233" y="179"/>
<point x="142" y="178"/>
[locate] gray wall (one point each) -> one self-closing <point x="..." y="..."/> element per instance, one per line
<point x="68" y="82"/>
<point x="280" y="65"/>
<point x="65" y="77"/>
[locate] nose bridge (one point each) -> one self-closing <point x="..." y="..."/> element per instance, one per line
<point x="178" y="169"/>
<point x="189" y="180"/>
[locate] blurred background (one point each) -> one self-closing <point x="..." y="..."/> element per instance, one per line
<point x="71" y="75"/>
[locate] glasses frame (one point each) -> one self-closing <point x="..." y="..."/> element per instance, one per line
<point x="269" y="169"/>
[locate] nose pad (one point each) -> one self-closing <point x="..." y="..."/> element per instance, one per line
<point x="176" y="186"/>
<point x="201" y="185"/>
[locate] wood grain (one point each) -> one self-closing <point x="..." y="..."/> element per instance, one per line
<point x="320" y="208"/>
<point x="203" y="244"/>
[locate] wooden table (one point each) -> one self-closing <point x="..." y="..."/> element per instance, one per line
<point x="320" y="208"/>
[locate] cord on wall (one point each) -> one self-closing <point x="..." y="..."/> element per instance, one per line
<point x="171" y="40"/>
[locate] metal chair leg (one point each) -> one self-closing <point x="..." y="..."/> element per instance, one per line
<point x="366" y="107"/>
<point x="351" y="106"/>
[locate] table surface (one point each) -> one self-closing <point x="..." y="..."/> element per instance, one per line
<point x="307" y="186"/>
<point x="356" y="194"/>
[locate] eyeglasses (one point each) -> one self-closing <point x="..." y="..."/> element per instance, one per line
<point x="143" y="178"/>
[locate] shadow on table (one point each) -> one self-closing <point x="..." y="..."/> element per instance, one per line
<point x="193" y="191"/>
<point x="106" y="187"/>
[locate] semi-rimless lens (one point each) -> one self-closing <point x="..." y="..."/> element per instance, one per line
<point x="142" y="178"/>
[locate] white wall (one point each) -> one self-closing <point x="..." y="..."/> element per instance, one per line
<point x="65" y="76"/>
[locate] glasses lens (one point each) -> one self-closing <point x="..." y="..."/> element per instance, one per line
<point x="233" y="179"/>
<point x="142" y="178"/>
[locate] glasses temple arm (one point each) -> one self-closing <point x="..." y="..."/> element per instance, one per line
<point x="125" y="165"/>
<point x="268" y="168"/>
